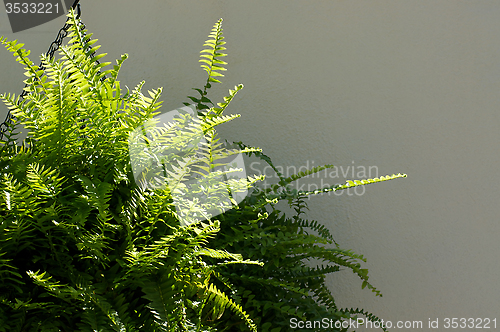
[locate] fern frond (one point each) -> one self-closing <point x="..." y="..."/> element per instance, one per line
<point x="217" y="111"/>
<point x="81" y="42"/>
<point x="99" y="306"/>
<point x="98" y="195"/>
<point x="211" y="63"/>
<point x="93" y="320"/>
<point x="219" y="254"/>
<point x="9" y="277"/>
<point x="44" y="182"/>
<point x="300" y="175"/>
<point x="164" y="302"/>
<point x="210" y="57"/>
<point x="371" y="317"/>
<point x="286" y="193"/>
<point x="354" y="183"/>
<point x="259" y="154"/>
<point x="115" y="71"/>
<point x="311" y="272"/>
<point x="34" y="72"/>
<point x="61" y="291"/>
<point x="322" y="230"/>
<point x="349" y="259"/>
<point x="221" y="302"/>
<point x="15" y="197"/>
<point x="211" y="122"/>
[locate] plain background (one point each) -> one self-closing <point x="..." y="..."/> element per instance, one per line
<point x="406" y="86"/>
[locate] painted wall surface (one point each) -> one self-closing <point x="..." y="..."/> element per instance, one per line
<point x="402" y="86"/>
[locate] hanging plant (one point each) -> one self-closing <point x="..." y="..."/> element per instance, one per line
<point x="111" y="220"/>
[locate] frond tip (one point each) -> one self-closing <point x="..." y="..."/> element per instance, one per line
<point x="212" y="64"/>
<point x="284" y="193"/>
<point x="221" y="302"/>
<point x="210" y="56"/>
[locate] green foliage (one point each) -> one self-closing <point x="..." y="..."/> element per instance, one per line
<point x="100" y="231"/>
<point x="82" y="246"/>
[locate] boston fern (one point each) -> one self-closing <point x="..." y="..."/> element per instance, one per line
<point x="83" y="247"/>
<point x="103" y="224"/>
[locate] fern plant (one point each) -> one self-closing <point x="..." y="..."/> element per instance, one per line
<point x="87" y="243"/>
<point x="112" y="221"/>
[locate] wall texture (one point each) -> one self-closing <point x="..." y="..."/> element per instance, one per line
<point x="406" y="86"/>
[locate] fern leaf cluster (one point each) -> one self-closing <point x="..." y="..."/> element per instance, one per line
<point x="85" y="247"/>
<point x="116" y="217"/>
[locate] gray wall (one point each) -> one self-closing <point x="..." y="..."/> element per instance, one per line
<point x="406" y="86"/>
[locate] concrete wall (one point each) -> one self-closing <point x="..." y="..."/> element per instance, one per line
<point x="406" y="86"/>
